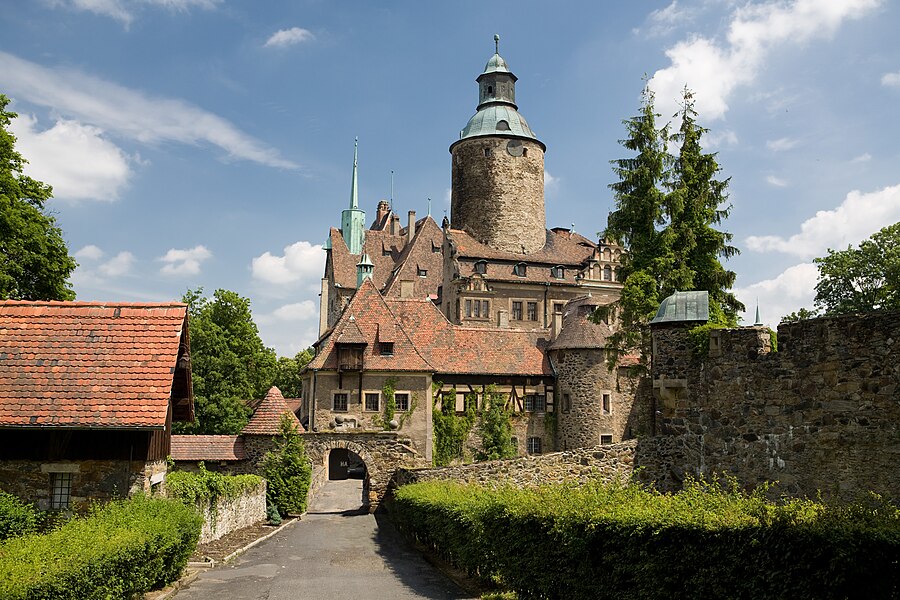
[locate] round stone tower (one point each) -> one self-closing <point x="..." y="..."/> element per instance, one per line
<point x="498" y="169"/>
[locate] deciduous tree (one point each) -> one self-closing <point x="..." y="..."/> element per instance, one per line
<point x="287" y="372"/>
<point x="34" y="260"/>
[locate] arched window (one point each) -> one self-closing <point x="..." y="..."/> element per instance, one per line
<point x="490" y="90"/>
<point x="607" y="254"/>
<point x="607" y="273"/>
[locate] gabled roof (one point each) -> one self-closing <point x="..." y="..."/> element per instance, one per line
<point x="90" y="364"/>
<point x="367" y="312"/>
<point x="207" y="447"/>
<point x="266" y="420"/>
<point x="419" y="254"/>
<point x="578" y="330"/>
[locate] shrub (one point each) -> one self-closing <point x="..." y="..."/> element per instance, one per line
<point x="287" y="471"/>
<point x="16" y="517"/>
<point x="623" y="541"/>
<point x="118" y="550"/>
<point x="207" y="487"/>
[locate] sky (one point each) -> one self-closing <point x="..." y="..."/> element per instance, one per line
<point x="209" y="143"/>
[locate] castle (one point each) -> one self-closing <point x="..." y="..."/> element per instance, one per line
<point x="491" y="297"/>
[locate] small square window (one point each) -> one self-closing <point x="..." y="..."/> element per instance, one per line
<point x="520" y="269"/>
<point x="340" y="402"/>
<point x="558" y="308"/>
<point x="535" y="403"/>
<point x="422" y="272"/>
<point x="401" y="399"/>
<point x="606" y="403"/>
<point x="60" y="490"/>
<point x="386" y="348"/>
<point x="481" y="267"/>
<point x="435" y="248"/>
<point x="606" y="438"/>
<point x="488" y="152"/>
<point x="517" y="310"/>
<point x="372" y="401"/>
<point x="534" y="445"/>
<point x="532" y="311"/>
<point x="558" y="272"/>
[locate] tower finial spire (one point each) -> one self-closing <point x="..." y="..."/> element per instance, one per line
<point x="496" y="43"/>
<point x="354" y="194"/>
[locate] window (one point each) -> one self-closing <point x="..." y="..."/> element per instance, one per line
<point x="558" y="272"/>
<point x="490" y="90"/>
<point x="435" y="248"/>
<point x="385" y="251"/>
<point x="386" y="348"/>
<point x="566" y="403"/>
<point x="534" y="445"/>
<point x="517" y="310"/>
<point x="468" y="308"/>
<point x="422" y="272"/>
<point x="524" y="151"/>
<point x="607" y="273"/>
<point x="558" y="308"/>
<point x="60" y="490"/>
<point x="373" y="401"/>
<point x="502" y="126"/>
<point x="606" y="438"/>
<point x="485" y="309"/>
<point x="535" y="402"/>
<point x="606" y="403"/>
<point x="340" y="402"/>
<point x="521" y="269"/>
<point x="532" y="311"/>
<point x="481" y="267"/>
<point x="487" y="152"/>
<point x="607" y="254"/>
<point x="401" y="399"/>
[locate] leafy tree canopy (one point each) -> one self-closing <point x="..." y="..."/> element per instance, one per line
<point x="34" y="260"/>
<point x="287" y="372"/>
<point x="861" y="279"/>
<point x="230" y="364"/>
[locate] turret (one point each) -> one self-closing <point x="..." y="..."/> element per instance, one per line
<point x="353" y="220"/>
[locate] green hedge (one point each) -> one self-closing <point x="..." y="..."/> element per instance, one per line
<point x="207" y="487"/>
<point x="16" y="517"/>
<point x="118" y="550"/>
<point x="613" y="541"/>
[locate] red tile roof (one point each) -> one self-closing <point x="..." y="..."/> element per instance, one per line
<point x="578" y="330"/>
<point x="88" y="364"/>
<point x="207" y="447"/>
<point x="267" y="418"/>
<point x="567" y="249"/>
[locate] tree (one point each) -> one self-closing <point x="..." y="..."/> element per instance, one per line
<point x="34" y="260"/>
<point x="287" y="471"/>
<point x="229" y="362"/>
<point x="287" y="372"/>
<point x="861" y="279"/>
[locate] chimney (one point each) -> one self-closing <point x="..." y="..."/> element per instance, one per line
<point x="411" y="228"/>
<point x="395" y="225"/>
<point x="556" y="326"/>
<point x="384" y="209"/>
<point x="503" y="318"/>
<point x="323" y="307"/>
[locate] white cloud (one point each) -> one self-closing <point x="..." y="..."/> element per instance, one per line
<point x="864" y="157"/>
<point x="549" y="180"/>
<point x="781" y="144"/>
<point x="184" y="262"/>
<point x="289" y="37"/>
<point x="891" y="79"/>
<point x="298" y="311"/>
<point x="665" y="20"/>
<point x="128" y="113"/>
<point x="74" y="158"/>
<point x="184" y="5"/>
<point x="791" y="290"/>
<point x="776" y="181"/>
<point x="723" y="137"/>
<point x="301" y="260"/>
<point x="118" y="265"/>
<point x="89" y="252"/>
<point x="105" y="8"/>
<point x="714" y="69"/>
<point x="859" y="216"/>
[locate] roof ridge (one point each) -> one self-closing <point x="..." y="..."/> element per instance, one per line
<point x="77" y="303"/>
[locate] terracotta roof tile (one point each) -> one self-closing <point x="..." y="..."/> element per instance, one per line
<point x="578" y="331"/>
<point x="266" y="420"/>
<point x="88" y="364"/>
<point x="207" y="447"/>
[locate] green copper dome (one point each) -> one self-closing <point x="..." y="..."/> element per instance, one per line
<point x="683" y="306"/>
<point x="496" y="64"/>
<point x="497" y="119"/>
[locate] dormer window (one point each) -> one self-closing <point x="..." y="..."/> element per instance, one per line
<point x="481" y="267"/>
<point x="386" y="348"/>
<point x="521" y="269"/>
<point x="502" y="126"/>
<point x="422" y="272"/>
<point x="435" y="248"/>
<point x="558" y="272"/>
<point x="385" y="251"/>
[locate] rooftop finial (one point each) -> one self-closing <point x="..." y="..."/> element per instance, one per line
<point x="496" y="43"/>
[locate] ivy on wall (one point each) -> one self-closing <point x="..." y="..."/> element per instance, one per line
<point x="451" y="430"/>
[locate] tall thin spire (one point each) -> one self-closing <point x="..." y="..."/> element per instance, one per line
<point x="354" y="194"/>
<point x="758" y="320"/>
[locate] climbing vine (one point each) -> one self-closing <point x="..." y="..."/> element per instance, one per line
<point x="496" y="427"/>
<point x="390" y="403"/>
<point x="451" y="430"/>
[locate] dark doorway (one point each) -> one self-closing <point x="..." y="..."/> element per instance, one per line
<point x="344" y="464"/>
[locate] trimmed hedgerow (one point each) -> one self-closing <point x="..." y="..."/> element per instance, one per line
<point x="622" y="541"/>
<point x="16" y="517"/>
<point x="207" y="487"/>
<point x="118" y="550"/>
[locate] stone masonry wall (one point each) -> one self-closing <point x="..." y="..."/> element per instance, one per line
<point x="499" y="198"/>
<point x="821" y="414"/>
<point x="233" y="514"/>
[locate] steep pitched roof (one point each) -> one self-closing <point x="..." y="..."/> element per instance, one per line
<point x="89" y="364"/>
<point x="578" y="330"/>
<point x="368" y="313"/>
<point x="266" y="420"/>
<point x="451" y="349"/>
<point x="419" y="255"/>
<point x="207" y="447"/>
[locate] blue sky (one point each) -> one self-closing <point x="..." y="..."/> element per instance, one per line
<point x="209" y="142"/>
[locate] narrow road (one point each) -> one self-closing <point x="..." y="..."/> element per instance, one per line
<point x="334" y="553"/>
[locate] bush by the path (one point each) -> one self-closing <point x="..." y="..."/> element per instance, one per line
<point x="288" y="471"/>
<point x="615" y="541"/>
<point x="123" y="548"/>
<point x="16" y="517"/>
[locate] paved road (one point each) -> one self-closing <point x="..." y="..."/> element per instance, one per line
<point x="334" y="553"/>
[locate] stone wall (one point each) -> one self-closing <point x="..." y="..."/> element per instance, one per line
<point x="499" y="198"/>
<point x="821" y="414"/>
<point x="608" y="463"/>
<point x="232" y="514"/>
<point x="92" y="480"/>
